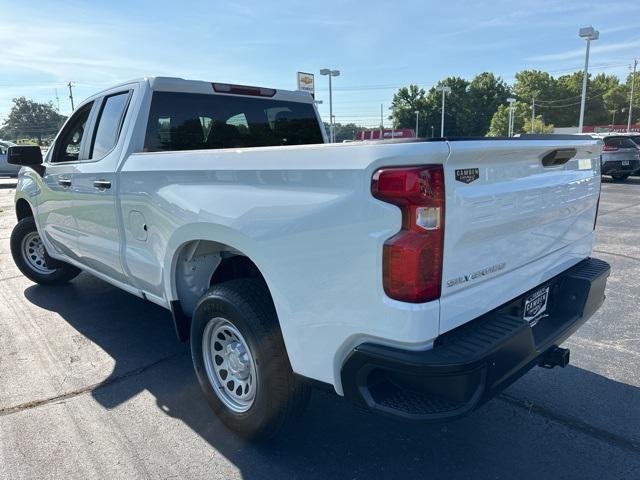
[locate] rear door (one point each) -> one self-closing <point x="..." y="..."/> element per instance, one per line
<point x="505" y="211"/>
<point x="94" y="188"/>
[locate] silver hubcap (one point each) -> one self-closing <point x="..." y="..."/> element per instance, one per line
<point x="33" y="253"/>
<point x="229" y="364"/>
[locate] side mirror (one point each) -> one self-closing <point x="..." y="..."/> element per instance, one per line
<point x="25" y="155"/>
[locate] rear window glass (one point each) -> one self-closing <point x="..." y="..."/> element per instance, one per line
<point x="619" y="142"/>
<point x="191" y="121"/>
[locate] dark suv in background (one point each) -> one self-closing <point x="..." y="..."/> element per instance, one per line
<point x="620" y="155"/>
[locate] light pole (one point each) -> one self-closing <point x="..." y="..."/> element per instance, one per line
<point x="510" y="128"/>
<point x="393" y="122"/>
<point x="330" y="73"/>
<point x="417" y="116"/>
<point x="444" y="91"/>
<point x="589" y="34"/>
<point x="633" y="81"/>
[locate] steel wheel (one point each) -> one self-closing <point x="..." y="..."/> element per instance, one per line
<point x="229" y="364"/>
<point x="33" y="253"/>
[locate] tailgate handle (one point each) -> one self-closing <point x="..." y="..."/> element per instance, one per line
<point x="558" y="157"/>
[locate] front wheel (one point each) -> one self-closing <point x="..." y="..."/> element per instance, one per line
<point x="240" y="360"/>
<point x="30" y="256"/>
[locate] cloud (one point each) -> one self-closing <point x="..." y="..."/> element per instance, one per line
<point x="579" y="52"/>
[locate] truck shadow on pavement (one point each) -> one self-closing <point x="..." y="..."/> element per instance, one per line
<point x="506" y="438"/>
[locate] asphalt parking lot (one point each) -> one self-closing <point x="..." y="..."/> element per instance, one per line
<point x="93" y="384"/>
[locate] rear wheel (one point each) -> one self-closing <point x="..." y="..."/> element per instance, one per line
<point x="30" y="257"/>
<point x="620" y="177"/>
<point x="240" y="360"/>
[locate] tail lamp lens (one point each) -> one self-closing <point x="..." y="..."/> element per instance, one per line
<point x="412" y="258"/>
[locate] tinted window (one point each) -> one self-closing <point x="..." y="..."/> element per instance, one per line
<point x="188" y="121"/>
<point x="109" y="123"/>
<point x="67" y="148"/>
<point x="619" y="142"/>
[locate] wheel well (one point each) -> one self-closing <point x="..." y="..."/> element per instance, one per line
<point x="203" y="263"/>
<point x="23" y="209"/>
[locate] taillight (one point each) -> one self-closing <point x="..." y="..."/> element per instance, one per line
<point x="609" y="148"/>
<point x="412" y="258"/>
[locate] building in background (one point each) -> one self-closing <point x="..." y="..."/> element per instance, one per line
<point x="599" y="129"/>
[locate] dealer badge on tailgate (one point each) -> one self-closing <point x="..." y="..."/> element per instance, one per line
<point x="535" y="305"/>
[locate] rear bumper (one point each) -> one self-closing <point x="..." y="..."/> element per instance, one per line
<point x="616" y="167"/>
<point x="472" y="363"/>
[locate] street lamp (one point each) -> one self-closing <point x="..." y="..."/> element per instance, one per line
<point x="417" y="112"/>
<point x="511" y="119"/>
<point x="589" y="34"/>
<point x="444" y="91"/>
<point x="330" y="73"/>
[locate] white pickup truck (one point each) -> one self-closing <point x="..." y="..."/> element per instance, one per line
<point x="417" y="278"/>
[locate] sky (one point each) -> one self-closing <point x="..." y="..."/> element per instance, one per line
<point x="377" y="46"/>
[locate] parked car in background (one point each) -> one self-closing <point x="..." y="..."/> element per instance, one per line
<point x="620" y="156"/>
<point x="6" y="168"/>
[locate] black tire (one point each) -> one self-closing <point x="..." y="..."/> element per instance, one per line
<point x="620" y="177"/>
<point x="55" y="274"/>
<point x="280" y="397"/>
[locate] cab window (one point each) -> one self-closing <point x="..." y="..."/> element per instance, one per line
<point x="109" y="124"/>
<point x="67" y="148"/>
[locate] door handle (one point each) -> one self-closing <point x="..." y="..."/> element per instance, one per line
<point x="64" y="182"/>
<point x="102" y="184"/>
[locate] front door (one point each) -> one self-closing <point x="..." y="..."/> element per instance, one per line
<point x="56" y="219"/>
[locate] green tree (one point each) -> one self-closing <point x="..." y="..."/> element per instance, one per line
<point x="536" y="84"/>
<point x="636" y="95"/>
<point x="404" y="105"/>
<point x="616" y="103"/>
<point x="538" y="126"/>
<point x="31" y="119"/>
<point x="500" y="120"/>
<point x="484" y="95"/>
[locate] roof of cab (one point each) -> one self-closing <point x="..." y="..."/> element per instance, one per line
<point x="174" y="84"/>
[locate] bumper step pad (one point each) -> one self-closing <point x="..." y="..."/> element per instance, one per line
<point x="474" y="362"/>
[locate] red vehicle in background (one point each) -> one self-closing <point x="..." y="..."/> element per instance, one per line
<point x="387" y="134"/>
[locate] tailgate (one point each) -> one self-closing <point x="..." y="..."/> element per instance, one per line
<point x="506" y="213"/>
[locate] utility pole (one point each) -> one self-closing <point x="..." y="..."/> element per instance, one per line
<point x="633" y="81"/>
<point x="71" y="96"/>
<point x="417" y="116"/>
<point x="533" y="112"/>
<point x="381" y="123"/>
<point x="57" y="100"/>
